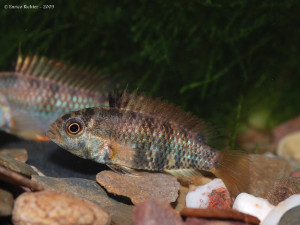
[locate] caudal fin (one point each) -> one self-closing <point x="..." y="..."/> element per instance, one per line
<point x="233" y="169"/>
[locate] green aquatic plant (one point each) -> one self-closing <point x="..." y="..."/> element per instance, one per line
<point x="200" y="55"/>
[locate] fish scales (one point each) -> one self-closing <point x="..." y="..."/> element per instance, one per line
<point x="159" y="144"/>
<point x="41" y="90"/>
<point x="137" y="133"/>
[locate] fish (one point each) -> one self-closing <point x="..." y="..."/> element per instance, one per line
<point x="140" y="133"/>
<point x="40" y="90"/>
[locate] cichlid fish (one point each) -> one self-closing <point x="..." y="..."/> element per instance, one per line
<point x="41" y="90"/>
<point x="139" y="133"/>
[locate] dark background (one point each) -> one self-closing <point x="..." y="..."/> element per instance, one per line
<point x="233" y="63"/>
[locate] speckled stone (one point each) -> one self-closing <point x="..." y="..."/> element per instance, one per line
<point x="48" y="207"/>
<point x="283" y="189"/>
<point x="141" y="187"/>
<point x="291" y="217"/>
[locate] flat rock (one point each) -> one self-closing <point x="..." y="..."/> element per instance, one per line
<point x="140" y="187"/>
<point x="286" y="128"/>
<point x="6" y="203"/>
<point x="12" y="177"/>
<point x="291" y="217"/>
<point x="220" y="214"/>
<point x="283" y="189"/>
<point x="263" y="172"/>
<point x="18" y="154"/>
<point x="48" y="207"/>
<point x="90" y="190"/>
<point x="153" y="212"/>
<point x="17" y="166"/>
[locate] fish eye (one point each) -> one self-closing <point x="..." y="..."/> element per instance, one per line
<point x="74" y="127"/>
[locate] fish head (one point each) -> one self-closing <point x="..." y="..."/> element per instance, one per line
<point x="74" y="133"/>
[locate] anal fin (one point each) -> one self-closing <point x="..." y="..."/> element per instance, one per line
<point x="123" y="170"/>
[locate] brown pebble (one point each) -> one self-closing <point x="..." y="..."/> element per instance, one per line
<point x="140" y="187"/>
<point x="286" y="128"/>
<point x="283" y="189"/>
<point x="215" y="213"/>
<point x="89" y="189"/>
<point x="18" y="154"/>
<point x="153" y="212"/>
<point x="6" y="203"/>
<point x="48" y="207"/>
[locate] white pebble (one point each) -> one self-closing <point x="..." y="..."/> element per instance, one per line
<point x="198" y="198"/>
<point x="274" y="216"/>
<point x="255" y="206"/>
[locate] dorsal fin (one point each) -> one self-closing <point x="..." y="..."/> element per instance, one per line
<point x="61" y="73"/>
<point x="162" y="110"/>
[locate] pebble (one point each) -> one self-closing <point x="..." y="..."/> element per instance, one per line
<point x="286" y="128"/>
<point x="140" y="187"/>
<point x="153" y="212"/>
<point x="283" y="188"/>
<point x="6" y="203"/>
<point x="291" y="217"/>
<point x="89" y="189"/>
<point x="252" y="205"/>
<point x="274" y="216"/>
<point x="289" y="147"/>
<point x="48" y="207"/>
<point x="264" y="172"/>
<point x="213" y="194"/>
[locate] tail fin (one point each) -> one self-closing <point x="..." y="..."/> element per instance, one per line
<point x="233" y="168"/>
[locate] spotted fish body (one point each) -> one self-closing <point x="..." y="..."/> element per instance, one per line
<point x="41" y="90"/>
<point x="144" y="134"/>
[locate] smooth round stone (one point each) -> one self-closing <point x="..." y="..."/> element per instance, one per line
<point x="291" y="217"/>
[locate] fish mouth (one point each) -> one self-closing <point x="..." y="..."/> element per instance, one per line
<point x="52" y="133"/>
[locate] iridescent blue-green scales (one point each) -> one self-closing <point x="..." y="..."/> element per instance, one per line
<point x="41" y="90"/>
<point x="158" y="144"/>
<point x="139" y="133"/>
